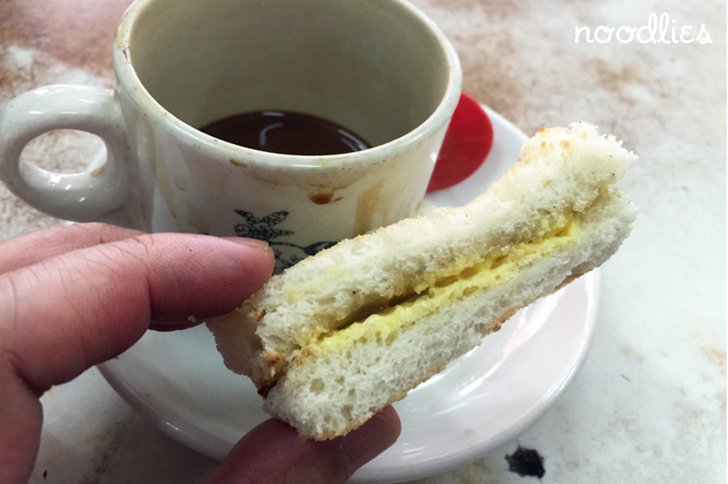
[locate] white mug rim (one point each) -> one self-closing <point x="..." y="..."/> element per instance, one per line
<point x="127" y="77"/>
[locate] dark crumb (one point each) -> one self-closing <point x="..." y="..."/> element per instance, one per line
<point x="526" y="462"/>
<point x="45" y="474"/>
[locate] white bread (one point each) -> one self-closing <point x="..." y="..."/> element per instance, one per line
<point x="554" y="216"/>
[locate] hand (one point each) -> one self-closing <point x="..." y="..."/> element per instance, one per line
<point x="76" y="296"/>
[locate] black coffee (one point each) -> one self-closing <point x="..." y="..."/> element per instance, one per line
<point x="286" y="132"/>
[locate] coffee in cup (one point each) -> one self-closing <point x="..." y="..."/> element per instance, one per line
<point x="379" y="70"/>
<point x="287" y="133"/>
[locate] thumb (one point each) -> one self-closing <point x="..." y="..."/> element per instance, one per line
<point x="273" y="452"/>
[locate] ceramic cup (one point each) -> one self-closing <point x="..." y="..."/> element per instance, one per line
<point x="379" y="68"/>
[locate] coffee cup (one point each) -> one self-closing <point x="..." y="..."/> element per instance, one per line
<point x="378" y="69"/>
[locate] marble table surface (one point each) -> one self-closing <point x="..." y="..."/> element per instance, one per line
<point x="649" y="403"/>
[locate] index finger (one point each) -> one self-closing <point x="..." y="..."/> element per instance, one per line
<point x="39" y="245"/>
<point x="73" y="311"/>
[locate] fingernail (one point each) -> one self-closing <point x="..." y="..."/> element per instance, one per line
<point x="163" y="327"/>
<point x="248" y="242"/>
<point x="371" y="439"/>
<point x="173" y="324"/>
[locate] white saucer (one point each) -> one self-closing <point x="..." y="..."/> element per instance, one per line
<point x="484" y="399"/>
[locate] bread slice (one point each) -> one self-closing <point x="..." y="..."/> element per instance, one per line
<point x="346" y="332"/>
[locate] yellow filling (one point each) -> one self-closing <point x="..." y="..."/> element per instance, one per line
<point x="440" y="292"/>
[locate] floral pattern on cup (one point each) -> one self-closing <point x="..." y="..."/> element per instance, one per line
<point x="286" y="253"/>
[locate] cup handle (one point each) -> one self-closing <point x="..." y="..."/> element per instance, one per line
<point x="93" y="195"/>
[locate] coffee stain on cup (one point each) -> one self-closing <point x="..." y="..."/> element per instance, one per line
<point x="370" y="213"/>
<point x="180" y="183"/>
<point x="322" y="198"/>
<point x="197" y="220"/>
<point x="98" y="171"/>
<point x="164" y="181"/>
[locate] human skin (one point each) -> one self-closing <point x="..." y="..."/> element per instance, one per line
<point x="72" y="297"/>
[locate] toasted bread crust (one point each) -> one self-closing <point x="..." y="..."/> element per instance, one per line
<point x="562" y="175"/>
